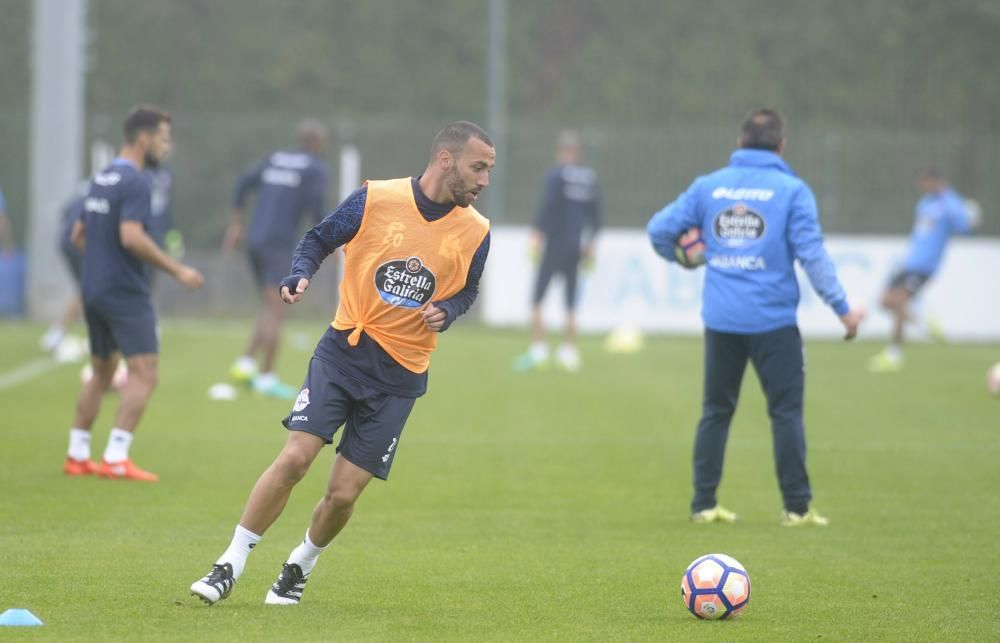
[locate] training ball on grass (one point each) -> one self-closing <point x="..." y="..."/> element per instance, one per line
<point x="993" y="379"/>
<point x="689" y="249"/>
<point x="624" y="339"/>
<point x="715" y="586"/>
<point x="222" y="392"/>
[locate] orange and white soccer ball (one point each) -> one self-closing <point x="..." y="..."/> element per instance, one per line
<point x="715" y="586"/>
<point x="993" y="379"/>
<point x="689" y="248"/>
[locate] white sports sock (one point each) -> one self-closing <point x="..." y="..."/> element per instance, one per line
<point x="242" y="544"/>
<point x="118" y="443"/>
<point x="246" y="363"/>
<point x="265" y="381"/>
<point x="50" y="340"/>
<point x="539" y="351"/>
<point x="306" y="554"/>
<point x="79" y="444"/>
<point x="893" y="352"/>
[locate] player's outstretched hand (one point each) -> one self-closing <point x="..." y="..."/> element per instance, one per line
<point x="851" y="320"/>
<point x="434" y="317"/>
<point x="190" y="278"/>
<point x="232" y="238"/>
<point x="292" y="288"/>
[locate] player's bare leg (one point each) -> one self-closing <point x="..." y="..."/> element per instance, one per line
<point x="141" y="382"/>
<point x="538" y="354"/>
<point x="92" y="392"/>
<point x="266" y="502"/>
<point x="274" y="319"/>
<point x="88" y="404"/>
<point x="567" y="355"/>
<point x="537" y="325"/>
<point x="347" y="481"/>
<point x="271" y="492"/>
<point x="896" y="301"/>
<point x="143" y="376"/>
<point x="268" y="337"/>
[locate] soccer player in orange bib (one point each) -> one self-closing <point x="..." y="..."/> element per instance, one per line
<point x="414" y="251"/>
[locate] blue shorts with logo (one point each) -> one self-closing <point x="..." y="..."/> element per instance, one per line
<point x="374" y="420"/>
<point x="128" y="326"/>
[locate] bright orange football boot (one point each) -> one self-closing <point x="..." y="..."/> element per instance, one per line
<point x="125" y="470"/>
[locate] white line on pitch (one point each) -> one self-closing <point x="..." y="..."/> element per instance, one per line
<point x="27" y="371"/>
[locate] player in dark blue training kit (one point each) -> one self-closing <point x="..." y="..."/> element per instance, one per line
<point x="114" y="283"/>
<point x="160" y="226"/>
<point x="940" y="213"/>
<point x="71" y="212"/>
<point x="567" y="222"/>
<point x="287" y="184"/>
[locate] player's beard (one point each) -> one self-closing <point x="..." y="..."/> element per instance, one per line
<point x="460" y="192"/>
<point x="151" y="160"/>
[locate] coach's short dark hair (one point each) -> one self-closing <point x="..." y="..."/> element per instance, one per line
<point x="932" y="173"/>
<point x="144" y="118"/>
<point x="763" y="129"/>
<point x="455" y="135"/>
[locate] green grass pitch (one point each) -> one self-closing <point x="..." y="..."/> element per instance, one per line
<point x="540" y="506"/>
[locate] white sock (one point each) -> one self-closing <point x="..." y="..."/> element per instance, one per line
<point x="50" y="340"/>
<point x="567" y="350"/>
<point x="118" y="443"/>
<point x="243" y="543"/>
<point x="305" y="555"/>
<point x="265" y="380"/>
<point x="246" y="363"/>
<point x="539" y="351"/>
<point x="894" y="352"/>
<point x="79" y="444"/>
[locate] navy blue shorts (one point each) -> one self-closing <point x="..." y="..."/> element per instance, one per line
<point x="129" y="327"/>
<point x="270" y="265"/>
<point x="551" y="265"/>
<point x="374" y="419"/>
<point x="911" y="282"/>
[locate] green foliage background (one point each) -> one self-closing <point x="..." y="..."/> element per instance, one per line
<point x="872" y="91"/>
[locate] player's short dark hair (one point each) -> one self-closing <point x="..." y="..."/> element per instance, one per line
<point x="932" y="173"/>
<point x="311" y="131"/>
<point x="455" y="135"/>
<point x="144" y="118"/>
<point x="763" y="129"/>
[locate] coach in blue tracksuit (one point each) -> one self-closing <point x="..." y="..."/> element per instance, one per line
<point x="757" y="218"/>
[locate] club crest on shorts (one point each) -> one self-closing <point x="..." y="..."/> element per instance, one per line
<point x="405" y="283"/>
<point x="302" y="401"/>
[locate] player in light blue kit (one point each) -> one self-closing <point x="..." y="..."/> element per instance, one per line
<point x="757" y="218"/>
<point x="940" y="213"/>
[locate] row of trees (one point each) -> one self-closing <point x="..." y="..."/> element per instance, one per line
<point x="838" y="68"/>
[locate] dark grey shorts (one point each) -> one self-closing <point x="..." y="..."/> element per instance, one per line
<point x="374" y="420"/>
<point x="911" y="282"/>
<point x="118" y="325"/>
<point x="269" y="265"/>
